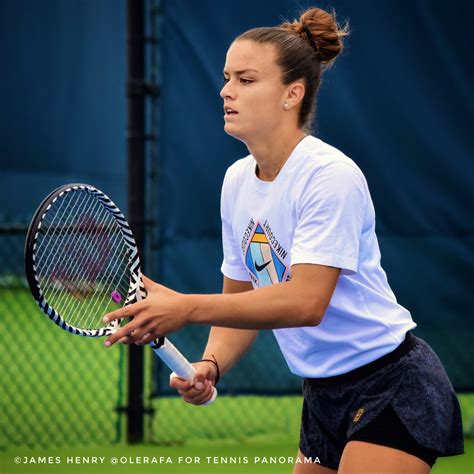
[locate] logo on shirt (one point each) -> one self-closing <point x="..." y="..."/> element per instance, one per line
<point x="259" y="268"/>
<point x="263" y="255"/>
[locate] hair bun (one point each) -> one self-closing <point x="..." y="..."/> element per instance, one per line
<point x="322" y="31"/>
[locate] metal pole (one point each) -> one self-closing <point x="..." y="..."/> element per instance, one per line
<point x="136" y="193"/>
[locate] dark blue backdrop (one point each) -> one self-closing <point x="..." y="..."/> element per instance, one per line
<point x="63" y="117"/>
<point x="398" y="102"/>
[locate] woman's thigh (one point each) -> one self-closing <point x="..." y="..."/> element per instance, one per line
<point x="360" y="457"/>
<point x="310" y="468"/>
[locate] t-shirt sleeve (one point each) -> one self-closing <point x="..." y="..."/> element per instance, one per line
<point x="330" y="218"/>
<point x="232" y="265"/>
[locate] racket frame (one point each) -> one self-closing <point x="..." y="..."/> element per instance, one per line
<point x="135" y="286"/>
<point x="162" y="346"/>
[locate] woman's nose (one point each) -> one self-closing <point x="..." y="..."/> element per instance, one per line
<point x="226" y="91"/>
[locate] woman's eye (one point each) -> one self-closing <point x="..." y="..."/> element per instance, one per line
<point x="225" y="80"/>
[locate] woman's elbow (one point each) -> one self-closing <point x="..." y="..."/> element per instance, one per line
<point x="312" y="313"/>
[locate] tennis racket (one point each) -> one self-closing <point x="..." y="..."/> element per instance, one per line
<point x="82" y="261"/>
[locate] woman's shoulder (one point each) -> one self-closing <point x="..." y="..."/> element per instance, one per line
<point x="327" y="173"/>
<point x="321" y="155"/>
<point x="236" y="174"/>
<point x="318" y="162"/>
<point x="239" y="169"/>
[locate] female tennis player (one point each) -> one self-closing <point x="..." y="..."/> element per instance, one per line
<point x="298" y="229"/>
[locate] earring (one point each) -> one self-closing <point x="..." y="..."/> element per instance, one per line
<point x="285" y="105"/>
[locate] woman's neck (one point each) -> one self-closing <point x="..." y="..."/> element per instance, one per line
<point x="272" y="153"/>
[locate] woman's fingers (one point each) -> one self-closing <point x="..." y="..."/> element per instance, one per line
<point x="200" y="397"/>
<point x="199" y="390"/>
<point x="125" y="312"/>
<point x="147" y="282"/>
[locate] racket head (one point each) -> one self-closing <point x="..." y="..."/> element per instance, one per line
<point x="81" y="260"/>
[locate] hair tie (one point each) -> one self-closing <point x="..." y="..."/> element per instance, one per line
<point x="310" y="39"/>
<point x="214" y="361"/>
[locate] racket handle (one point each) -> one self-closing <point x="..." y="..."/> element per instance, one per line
<point x="180" y="366"/>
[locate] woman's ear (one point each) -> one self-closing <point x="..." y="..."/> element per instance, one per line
<point x="294" y="95"/>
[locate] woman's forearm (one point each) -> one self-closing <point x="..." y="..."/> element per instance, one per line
<point x="271" y="307"/>
<point x="228" y="346"/>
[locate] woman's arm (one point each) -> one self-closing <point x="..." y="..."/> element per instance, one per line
<point x="299" y="302"/>
<point x="228" y="345"/>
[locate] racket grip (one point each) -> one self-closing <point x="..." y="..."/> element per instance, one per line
<point x="180" y="366"/>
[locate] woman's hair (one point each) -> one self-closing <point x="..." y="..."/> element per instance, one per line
<point x="305" y="48"/>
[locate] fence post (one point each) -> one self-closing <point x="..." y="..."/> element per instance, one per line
<point x="136" y="193"/>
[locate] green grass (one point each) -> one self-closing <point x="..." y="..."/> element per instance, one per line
<point x="54" y="386"/>
<point x="58" y="398"/>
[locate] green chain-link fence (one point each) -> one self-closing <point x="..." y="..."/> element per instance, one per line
<point x="58" y="389"/>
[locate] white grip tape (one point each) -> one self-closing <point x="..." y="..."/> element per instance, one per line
<point x="175" y="360"/>
<point x="178" y="364"/>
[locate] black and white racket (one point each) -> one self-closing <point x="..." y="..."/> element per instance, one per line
<point x="82" y="262"/>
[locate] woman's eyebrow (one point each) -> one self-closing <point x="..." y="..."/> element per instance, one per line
<point x="242" y="72"/>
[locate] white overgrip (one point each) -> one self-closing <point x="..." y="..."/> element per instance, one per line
<point x="180" y="366"/>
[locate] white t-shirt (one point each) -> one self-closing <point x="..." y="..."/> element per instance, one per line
<point x="318" y="210"/>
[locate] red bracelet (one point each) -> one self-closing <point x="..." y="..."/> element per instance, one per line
<point x="214" y="361"/>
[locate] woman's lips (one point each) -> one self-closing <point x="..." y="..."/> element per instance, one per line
<point x="229" y="113"/>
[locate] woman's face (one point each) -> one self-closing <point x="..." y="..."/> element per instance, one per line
<point x="253" y="92"/>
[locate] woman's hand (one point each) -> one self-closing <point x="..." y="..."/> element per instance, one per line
<point x="162" y="312"/>
<point x="199" y="390"/>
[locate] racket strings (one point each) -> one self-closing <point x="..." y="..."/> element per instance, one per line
<point x="86" y="265"/>
<point x="52" y="237"/>
<point x="39" y="257"/>
<point x="61" y="270"/>
<point x="109" y="284"/>
<point x="58" y="273"/>
<point x="84" y="259"/>
<point x="57" y="270"/>
<point x="116" y="278"/>
<point x="99" y="293"/>
<point x="78" y="259"/>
